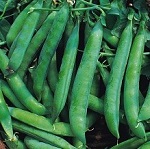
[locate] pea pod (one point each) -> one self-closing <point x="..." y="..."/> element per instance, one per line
<point x="24" y="37"/>
<point x="144" y="111"/>
<point x="145" y="145"/>
<point x="3" y="61"/>
<point x="24" y="95"/>
<point x="33" y="143"/>
<point x="113" y="88"/>
<point x="5" y="118"/>
<point x="10" y="95"/>
<point x="42" y="135"/>
<point x="41" y="122"/>
<point x="131" y="84"/>
<point x="18" y="23"/>
<point x="35" y="43"/>
<point x="65" y="73"/>
<point x="83" y="81"/>
<point x="49" y="48"/>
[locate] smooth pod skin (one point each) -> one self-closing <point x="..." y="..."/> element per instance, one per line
<point x="24" y="37"/>
<point x="3" y="61"/>
<point x="52" y="75"/>
<point x="23" y="94"/>
<point x="113" y="87"/>
<point x="131" y="84"/>
<point x="5" y="118"/>
<point x="145" y="145"/>
<point x="35" y="43"/>
<point x="42" y="135"/>
<point x="65" y="73"/>
<point x="110" y="38"/>
<point x="18" y="23"/>
<point x="41" y="122"/>
<point x="48" y="49"/>
<point x="83" y="82"/>
<point x="132" y="143"/>
<point x="144" y="113"/>
<point x="10" y="95"/>
<point x="33" y="143"/>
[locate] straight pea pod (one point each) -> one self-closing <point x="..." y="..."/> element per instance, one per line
<point x="113" y="87"/>
<point x="131" y="84"/>
<point x="35" y="43"/>
<point x="65" y="73"/>
<point x="48" y="49"/>
<point x="144" y="113"/>
<point x="83" y="82"/>
<point x="24" y="37"/>
<point x="18" y="24"/>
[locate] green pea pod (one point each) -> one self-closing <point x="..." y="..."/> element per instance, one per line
<point x="103" y="72"/>
<point x="44" y="14"/>
<point x="5" y="118"/>
<point x="65" y="73"/>
<point x="131" y="143"/>
<point x="83" y="82"/>
<point x="3" y="61"/>
<point x="10" y="95"/>
<point x="33" y="143"/>
<point x="113" y="87"/>
<point x="131" y="84"/>
<point x="145" y="145"/>
<point x="40" y="122"/>
<point x="42" y="135"/>
<point x="23" y="94"/>
<point x="25" y="36"/>
<point x="49" y="48"/>
<point x="47" y="97"/>
<point x="78" y="144"/>
<point x="35" y="43"/>
<point x="110" y="38"/>
<point x="52" y="75"/>
<point x="144" y="111"/>
<point x="15" y="144"/>
<point x="18" y="23"/>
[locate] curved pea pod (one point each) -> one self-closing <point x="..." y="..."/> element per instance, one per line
<point x="23" y="94"/>
<point x="83" y="82"/>
<point x="41" y="122"/>
<point x="18" y="24"/>
<point x="131" y="84"/>
<point x="10" y="95"/>
<point x="144" y="113"/>
<point x="42" y="135"/>
<point x="48" y="49"/>
<point x="110" y="38"/>
<point x="113" y="87"/>
<point x="25" y="36"/>
<point x="65" y="73"/>
<point x="5" y="118"/>
<point x="33" y="143"/>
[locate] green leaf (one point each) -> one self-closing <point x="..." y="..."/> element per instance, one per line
<point x="119" y="26"/>
<point x="146" y="71"/>
<point x="118" y="7"/>
<point x="140" y="5"/>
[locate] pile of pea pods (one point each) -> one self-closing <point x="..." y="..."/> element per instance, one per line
<point x="65" y="64"/>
